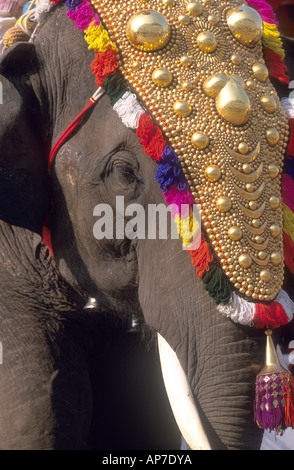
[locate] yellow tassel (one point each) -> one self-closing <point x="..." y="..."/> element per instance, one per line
<point x="288" y="218"/>
<point x="271" y="39"/>
<point x="98" y="39"/>
<point x="188" y="228"/>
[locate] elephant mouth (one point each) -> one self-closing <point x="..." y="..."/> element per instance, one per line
<point x="181" y="398"/>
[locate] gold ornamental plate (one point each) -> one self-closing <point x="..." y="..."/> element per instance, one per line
<point x="198" y="68"/>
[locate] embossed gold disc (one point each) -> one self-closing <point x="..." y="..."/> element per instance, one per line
<point x="245" y="24"/>
<point x="147" y="30"/>
<point x="198" y="67"/>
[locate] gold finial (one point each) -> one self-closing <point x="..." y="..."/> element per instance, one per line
<point x="272" y="363"/>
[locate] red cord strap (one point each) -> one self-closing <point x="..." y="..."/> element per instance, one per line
<point x="73" y="125"/>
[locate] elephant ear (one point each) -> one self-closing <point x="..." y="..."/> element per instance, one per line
<point x="24" y="179"/>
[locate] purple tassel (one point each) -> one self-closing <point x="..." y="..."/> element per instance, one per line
<point x="169" y="171"/>
<point x="290" y="166"/>
<point x="269" y="405"/>
<point x="72" y="4"/>
<point x="83" y="15"/>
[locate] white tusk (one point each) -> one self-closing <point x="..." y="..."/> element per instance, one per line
<point x="181" y="398"/>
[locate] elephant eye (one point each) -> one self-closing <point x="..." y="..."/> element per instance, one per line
<point x="125" y="170"/>
<point x="123" y="166"/>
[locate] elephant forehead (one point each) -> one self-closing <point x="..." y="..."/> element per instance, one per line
<point x="100" y="136"/>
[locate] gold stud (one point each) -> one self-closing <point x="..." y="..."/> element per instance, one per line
<point x="273" y="170"/>
<point x="276" y="258"/>
<point x="251" y="84"/>
<point x="213" y="173"/>
<point x="255" y="223"/>
<point x="247" y="168"/>
<point x="260" y="71"/>
<point x="223" y="204"/>
<point x="148" y="30"/>
<point x="243" y="148"/>
<point x="200" y="140"/>
<point x="239" y="80"/>
<point x="274" y="202"/>
<point x="169" y="3"/>
<point x="265" y="275"/>
<point x="272" y="136"/>
<point x="186" y="61"/>
<point x="253" y="205"/>
<point x="182" y="108"/>
<point x="262" y="255"/>
<point x="213" y="20"/>
<point x="187" y="86"/>
<point x="268" y="103"/>
<point x="206" y="42"/>
<point x="214" y="84"/>
<point x="236" y="59"/>
<point x="194" y="8"/>
<point x="275" y="230"/>
<point x="245" y="261"/>
<point x="137" y="65"/>
<point x="235" y="233"/>
<point x="184" y="19"/>
<point x="245" y="24"/>
<point x="233" y="104"/>
<point x="162" y="77"/>
<point x="249" y="187"/>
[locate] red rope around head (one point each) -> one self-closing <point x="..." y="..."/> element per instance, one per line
<point x="73" y="125"/>
<point x="64" y="136"/>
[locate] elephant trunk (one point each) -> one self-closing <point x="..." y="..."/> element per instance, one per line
<point x="220" y="359"/>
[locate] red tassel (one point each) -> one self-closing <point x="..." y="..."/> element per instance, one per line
<point x="289" y="400"/>
<point x="201" y="258"/>
<point x="104" y="64"/>
<point x="150" y="137"/>
<point x="275" y="65"/>
<point x="271" y="316"/>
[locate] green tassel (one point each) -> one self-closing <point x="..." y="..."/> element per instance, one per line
<point x="115" y="87"/>
<point x="217" y="285"/>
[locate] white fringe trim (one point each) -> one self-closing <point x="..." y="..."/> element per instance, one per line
<point x="129" y="110"/>
<point x="288" y="105"/>
<point x="239" y="310"/>
<point x="42" y="9"/>
<point x="284" y="299"/>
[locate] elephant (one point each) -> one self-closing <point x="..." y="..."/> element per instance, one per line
<point x="86" y="375"/>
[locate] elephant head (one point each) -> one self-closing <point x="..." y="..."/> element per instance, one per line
<point x="147" y="282"/>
